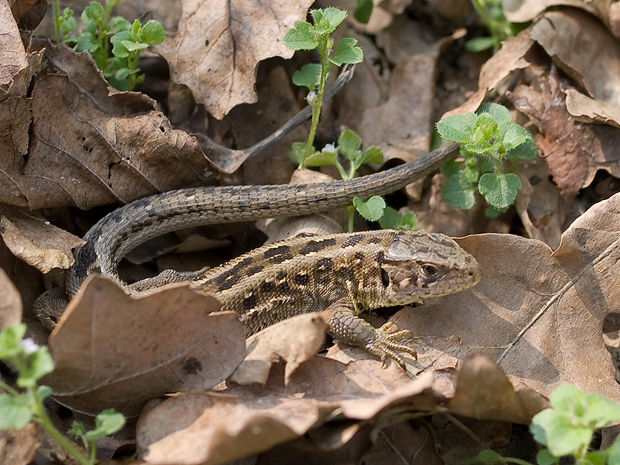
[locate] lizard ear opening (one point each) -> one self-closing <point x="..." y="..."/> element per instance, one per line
<point x="385" y="278"/>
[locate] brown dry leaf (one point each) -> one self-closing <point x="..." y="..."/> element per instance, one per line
<point x="11" y="303"/>
<point x="197" y="428"/>
<point x="521" y="11"/>
<point x="111" y="350"/>
<point x="293" y="340"/>
<point x="587" y="108"/>
<point x="572" y="37"/>
<point x="537" y="313"/>
<point x="219" y="44"/>
<point x="483" y="391"/>
<point x="18" y="447"/>
<point x="77" y="142"/>
<point x="37" y="242"/>
<point x="13" y="57"/>
<point x="574" y="151"/>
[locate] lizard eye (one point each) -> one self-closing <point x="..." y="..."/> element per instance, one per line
<point x="430" y="271"/>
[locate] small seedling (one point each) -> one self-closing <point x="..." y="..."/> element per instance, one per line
<point x="491" y="147"/>
<point x="119" y="66"/>
<point x="566" y="429"/>
<point x="492" y="14"/>
<point x="313" y="76"/>
<point x="18" y="408"/>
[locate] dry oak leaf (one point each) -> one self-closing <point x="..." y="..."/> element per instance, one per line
<point x="221" y="426"/>
<point x="13" y="57"/>
<point x="538" y="313"/>
<point x="114" y="351"/>
<point x="35" y="241"/>
<point x="75" y="141"/>
<point x="218" y="45"/>
<point x="11" y="303"/>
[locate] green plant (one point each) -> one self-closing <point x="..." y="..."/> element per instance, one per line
<point x="491" y="147"/>
<point x="17" y="409"/>
<point x="119" y="65"/>
<point x="313" y="76"/>
<point x="305" y="36"/>
<point x="566" y="428"/>
<point x="492" y="14"/>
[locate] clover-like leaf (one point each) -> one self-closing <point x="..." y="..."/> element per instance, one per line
<point x="328" y="20"/>
<point x="307" y="76"/>
<point x="297" y="153"/>
<point x="152" y="33"/>
<point x="40" y="364"/>
<point x="372" y="209"/>
<point x="321" y="159"/>
<point x="348" y="143"/>
<point x="525" y="151"/>
<point x="457" y="128"/>
<point x="301" y="37"/>
<point x="515" y="136"/>
<point x="14" y="412"/>
<point x="499" y="113"/>
<point x="106" y="423"/>
<point x="118" y="41"/>
<point x="459" y="191"/>
<point x="347" y="51"/>
<point x="363" y="10"/>
<point x="93" y="13"/>
<point x="372" y="154"/>
<point x="10" y="338"/>
<point x="499" y="189"/>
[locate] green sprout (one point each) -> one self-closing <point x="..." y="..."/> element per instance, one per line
<point x="491" y="148"/>
<point x="492" y="15"/>
<point x="20" y="407"/>
<point x="102" y="33"/>
<point x="566" y="429"/>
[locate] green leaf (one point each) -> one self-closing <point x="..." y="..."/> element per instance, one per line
<point x="599" y="411"/>
<point x="321" y="158"/>
<point x="392" y="219"/>
<point x="347" y="52"/>
<point x="87" y="41"/>
<point x="492" y="212"/>
<point x="307" y="76"/>
<point x="301" y="37"/>
<point x="526" y="151"/>
<point x="40" y="364"/>
<point x="499" y="113"/>
<point x="122" y="73"/>
<point x="77" y="429"/>
<point x="135" y="29"/>
<point x="450" y="168"/>
<point x="564" y="438"/>
<point x="515" y="135"/>
<point x="488" y="457"/>
<point x="544" y="457"/>
<point x="298" y="153"/>
<point x="595" y="458"/>
<point x="459" y="191"/>
<point x="153" y="33"/>
<point x="500" y="190"/>
<point x="119" y="24"/>
<point x="457" y="128"/>
<point x="43" y="392"/>
<point x="372" y="155"/>
<point x="106" y="423"/>
<point x="119" y="49"/>
<point x="568" y="398"/>
<point x="479" y="44"/>
<point x="14" y="412"/>
<point x="133" y="46"/>
<point x="10" y="338"/>
<point x="613" y="452"/>
<point x="328" y="20"/>
<point x="484" y="137"/>
<point x="372" y="209"/>
<point x="348" y="143"/>
<point x="363" y="10"/>
<point x="93" y="13"/>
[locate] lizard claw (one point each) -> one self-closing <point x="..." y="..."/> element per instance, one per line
<point x="384" y="344"/>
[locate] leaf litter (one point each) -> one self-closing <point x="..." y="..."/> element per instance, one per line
<point x="542" y="314"/>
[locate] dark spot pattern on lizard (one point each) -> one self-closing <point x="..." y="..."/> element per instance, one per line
<point x="317" y="246"/>
<point x="255" y="269"/>
<point x="267" y="287"/>
<point x="232" y="276"/>
<point x="278" y="254"/>
<point x="353" y="240"/>
<point x="301" y="279"/>
<point x="249" y="302"/>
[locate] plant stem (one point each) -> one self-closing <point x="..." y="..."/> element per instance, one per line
<point x="350" y="225"/>
<point x="324" y="49"/>
<point x="57" y="22"/>
<point x="42" y="418"/>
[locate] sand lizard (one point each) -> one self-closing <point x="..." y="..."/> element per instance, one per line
<point x="343" y="273"/>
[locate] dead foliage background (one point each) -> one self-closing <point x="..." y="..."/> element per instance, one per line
<point x="545" y="312"/>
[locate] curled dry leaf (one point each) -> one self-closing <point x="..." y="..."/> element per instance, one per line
<point x="197" y="428"/>
<point x="37" y="242"/>
<point x="483" y="391"/>
<point x="538" y="313"/>
<point x="114" y="351"/>
<point x="18" y="447"/>
<point x="293" y="340"/>
<point x="11" y="303"/>
<point x="13" y="57"/>
<point x="218" y="45"/>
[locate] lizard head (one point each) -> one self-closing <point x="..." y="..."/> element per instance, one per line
<point x="419" y="265"/>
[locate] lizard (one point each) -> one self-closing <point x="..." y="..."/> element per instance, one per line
<point x="341" y="274"/>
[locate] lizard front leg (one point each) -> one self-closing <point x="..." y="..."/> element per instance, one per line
<point x="347" y="327"/>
